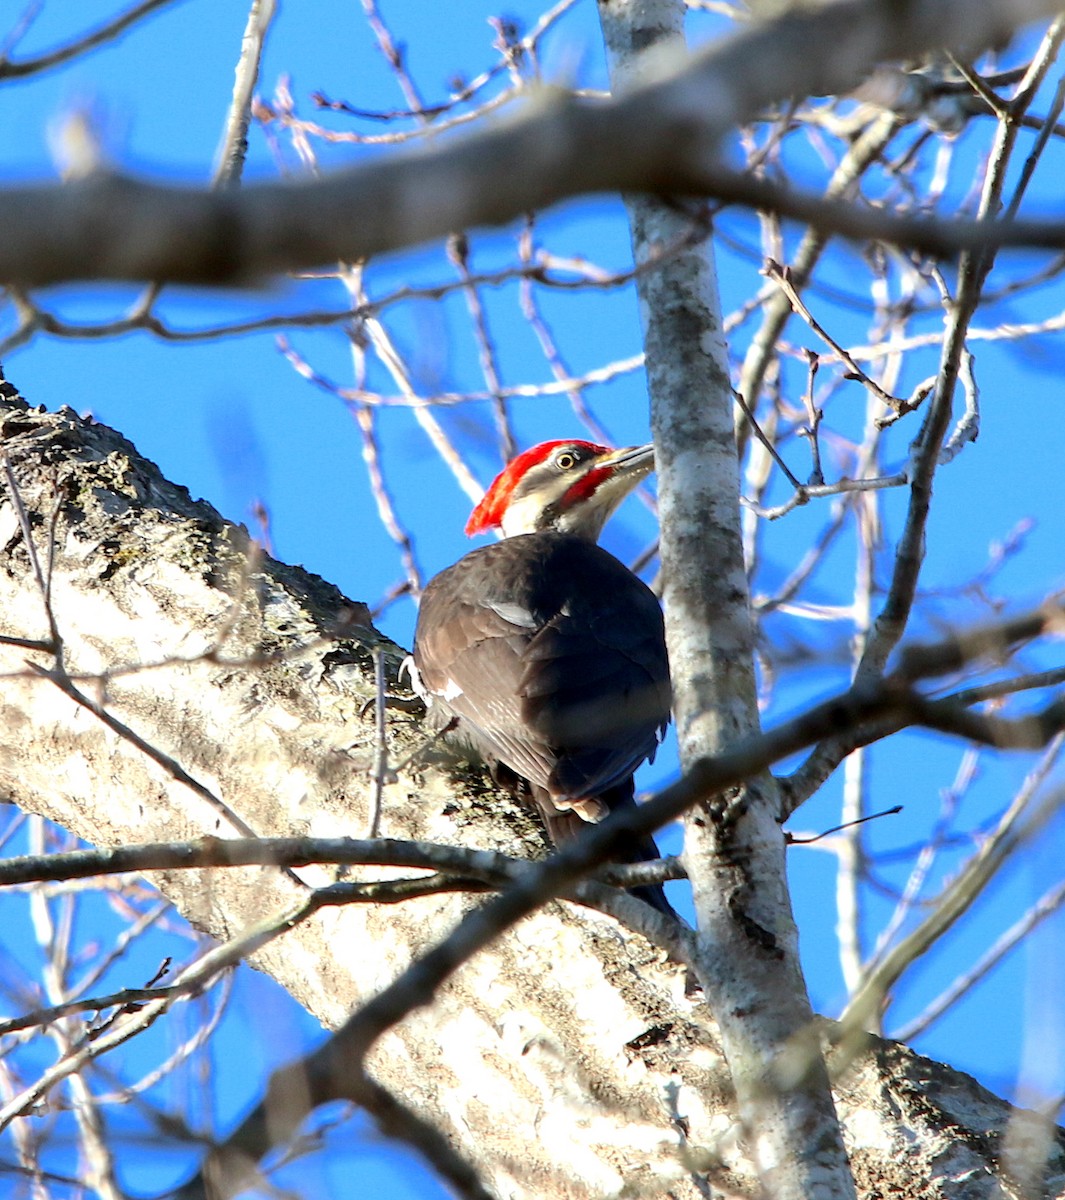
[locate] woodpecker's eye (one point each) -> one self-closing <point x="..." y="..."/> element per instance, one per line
<point x="566" y="460"/>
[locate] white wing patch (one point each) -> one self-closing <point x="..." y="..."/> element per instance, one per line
<point x="514" y="614"/>
<point x="450" y="690"/>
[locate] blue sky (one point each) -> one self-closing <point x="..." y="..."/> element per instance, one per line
<point x="235" y="423"/>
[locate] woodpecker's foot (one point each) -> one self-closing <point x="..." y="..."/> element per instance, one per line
<point x="407" y="704"/>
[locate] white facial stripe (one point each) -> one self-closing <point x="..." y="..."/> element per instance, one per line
<point x="521" y="516"/>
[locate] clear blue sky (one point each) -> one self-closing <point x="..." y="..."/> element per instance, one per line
<point x="232" y="421"/>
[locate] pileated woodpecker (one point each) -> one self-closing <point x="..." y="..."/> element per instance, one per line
<point x="549" y="652"/>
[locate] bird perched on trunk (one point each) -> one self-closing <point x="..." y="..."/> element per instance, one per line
<point x="549" y="652"/>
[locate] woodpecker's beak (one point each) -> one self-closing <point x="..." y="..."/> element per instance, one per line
<point x="634" y="461"/>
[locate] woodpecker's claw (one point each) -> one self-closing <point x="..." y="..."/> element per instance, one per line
<point x="407" y="667"/>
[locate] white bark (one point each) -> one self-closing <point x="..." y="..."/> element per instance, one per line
<point x="734" y="846"/>
<point x="555" y="1063"/>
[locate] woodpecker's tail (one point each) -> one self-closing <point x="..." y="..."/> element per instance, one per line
<point x="563" y="825"/>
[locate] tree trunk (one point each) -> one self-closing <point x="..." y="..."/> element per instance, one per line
<point x="733" y="844"/>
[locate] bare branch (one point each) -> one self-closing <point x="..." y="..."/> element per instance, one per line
<point x="105" y="33"/>
<point x="782" y="278"/>
<point x="556" y="146"/>
<point x="1046" y="906"/>
<point x="234" y="146"/>
<point x="1019" y="824"/>
<point x="485" y="866"/>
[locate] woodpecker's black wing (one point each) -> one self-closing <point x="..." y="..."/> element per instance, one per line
<point x="552" y="655"/>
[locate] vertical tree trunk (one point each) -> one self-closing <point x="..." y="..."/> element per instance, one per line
<point x="734" y="848"/>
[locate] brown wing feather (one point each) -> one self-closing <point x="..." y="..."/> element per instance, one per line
<point x="552" y="656"/>
<point x="473" y="669"/>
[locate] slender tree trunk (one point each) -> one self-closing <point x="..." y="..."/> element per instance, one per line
<point x="734" y="847"/>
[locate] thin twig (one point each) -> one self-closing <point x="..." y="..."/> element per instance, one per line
<point x="781" y="277"/>
<point x="169" y="764"/>
<point x="380" y="774"/>
<point x="98" y="37"/>
<point x="1048" y="904"/>
<point x="234" y="148"/>
<point x="43" y="583"/>
<point x="1018" y="826"/>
